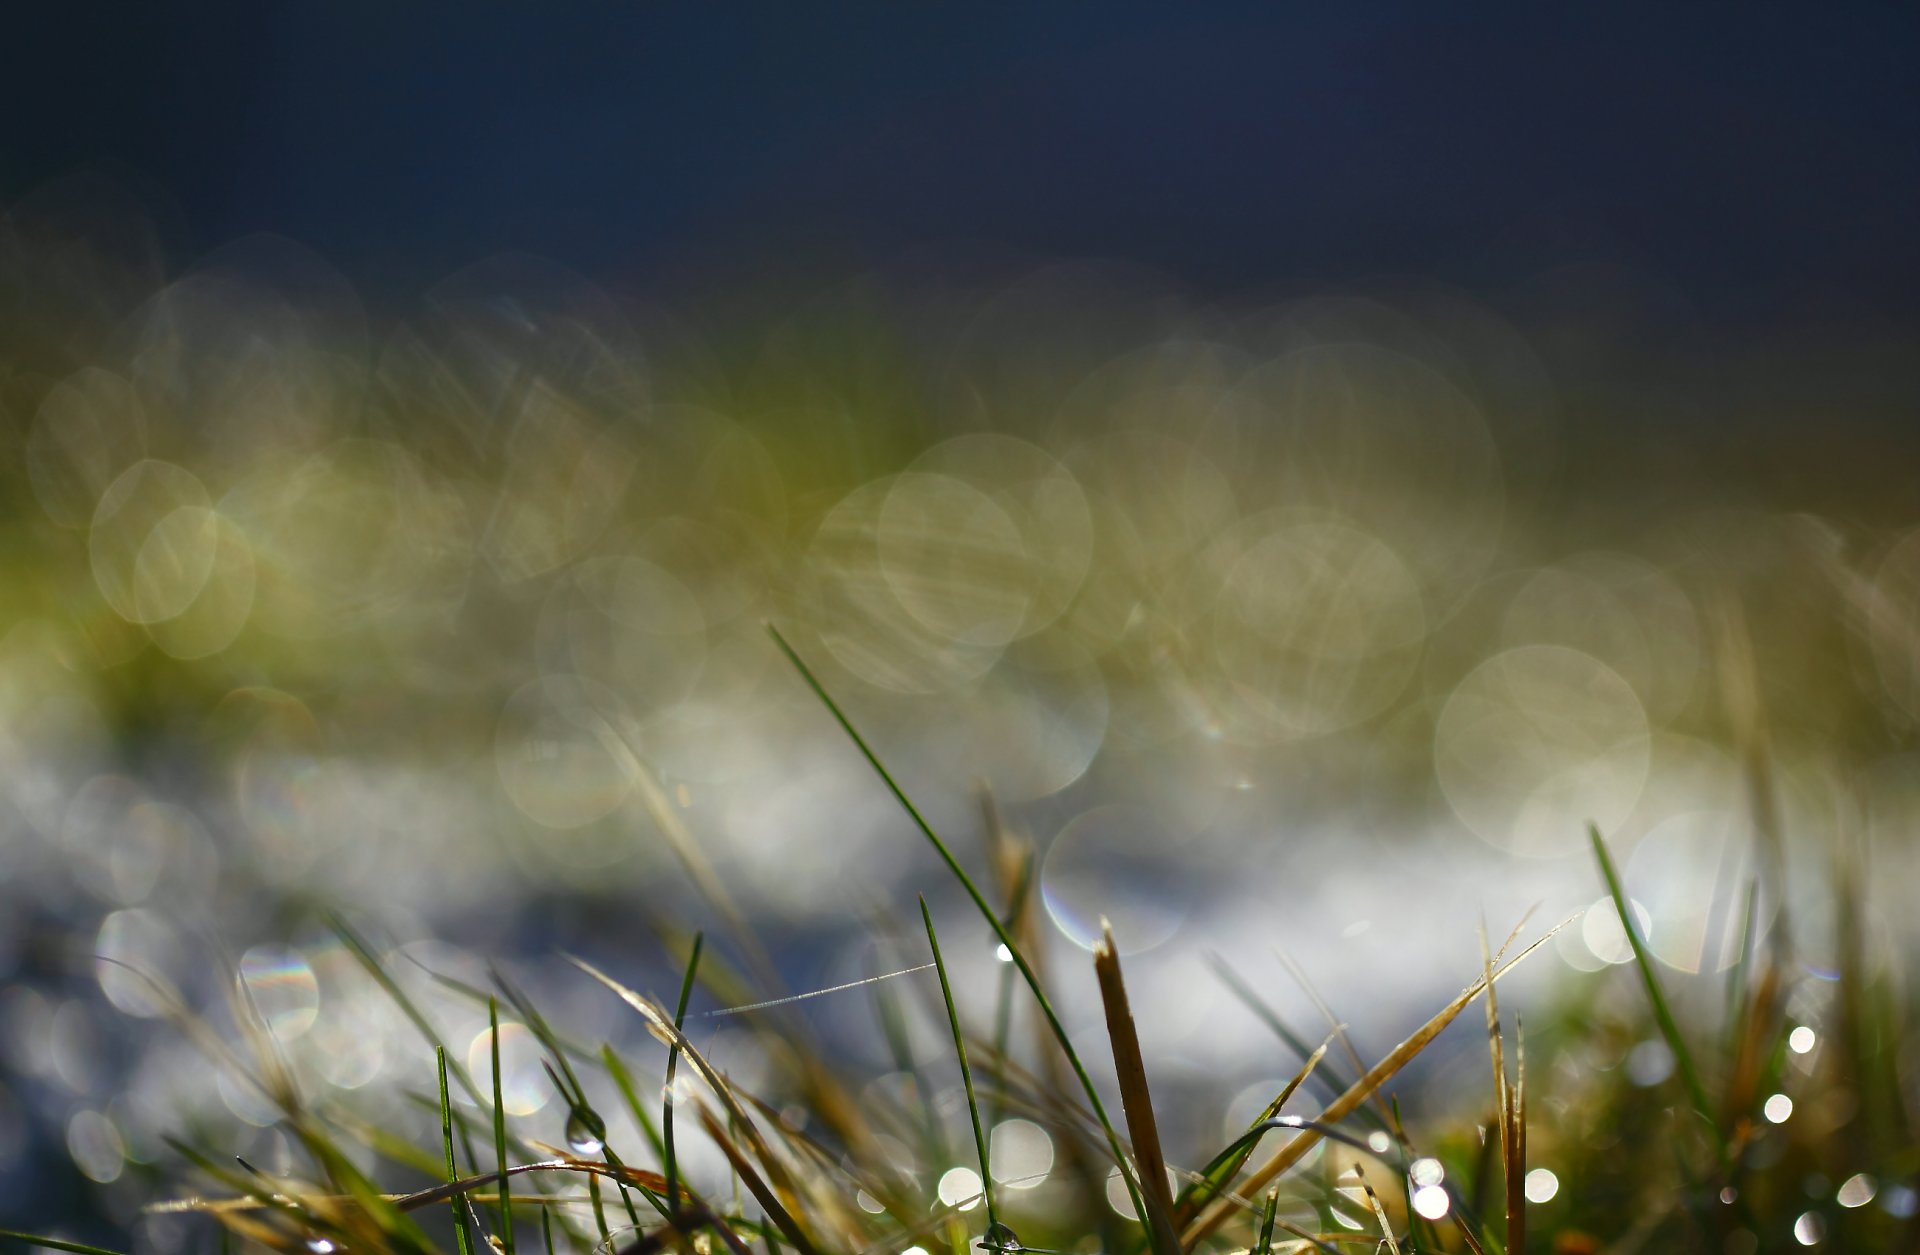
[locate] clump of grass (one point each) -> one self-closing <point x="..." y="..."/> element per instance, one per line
<point x="1696" y="1163"/>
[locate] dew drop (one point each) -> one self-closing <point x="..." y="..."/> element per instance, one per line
<point x="585" y="1134"/>
<point x="322" y="1245"/>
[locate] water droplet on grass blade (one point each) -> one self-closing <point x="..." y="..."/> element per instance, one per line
<point x="585" y="1134"/>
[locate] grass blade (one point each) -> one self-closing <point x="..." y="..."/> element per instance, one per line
<point x="1135" y="1099"/>
<point x="1265" y="1246"/>
<point x="673" y="1064"/>
<point x="500" y="1131"/>
<point x="55" y="1244"/>
<point x="757" y="1186"/>
<point x="966" y="1074"/>
<point x="1662" y="1011"/>
<point x="1358" y="1093"/>
<point x="986" y="910"/>
<point x="1226" y="1165"/>
<point x="462" y="1231"/>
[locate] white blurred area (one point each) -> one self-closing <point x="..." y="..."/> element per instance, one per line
<point x="1287" y="630"/>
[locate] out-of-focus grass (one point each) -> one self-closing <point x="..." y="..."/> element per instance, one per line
<point x="450" y="620"/>
<point x="1676" y="1166"/>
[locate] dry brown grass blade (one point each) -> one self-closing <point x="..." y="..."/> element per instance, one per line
<point x="660" y="1024"/>
<point x="1379" y="1212"/>
<point x="1008" y="853"/>
<point x="1343" y="1106"/>
<point x="1502" y="1095"/>
<point x="1135" y="1098"/>
<point x="436" y="1194"/>
<point x="826" y="1097"/>
<point x="757" y="1185"/>
<point x="1517" y="1140"/>
<point x="1465" y="1231"/>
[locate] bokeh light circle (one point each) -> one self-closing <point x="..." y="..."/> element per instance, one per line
<point x="1123" y="863"/>
<point x="1536" y="743"/>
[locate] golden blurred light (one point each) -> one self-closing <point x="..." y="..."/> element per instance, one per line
<point x="154" y="540"/>
<point x="88" y="430"/>
<point x="218" y="613"/>
<point x="954" y="560"/>
<point x="1688" y="873"/>
<point x="1538" y="741"/>
<point x="558" y="751"/>
<point x="524" y="1088"/>
<point x="852" y="605"/>
<point x="1319" y="627"/>
<point x="1021" y="1154"/>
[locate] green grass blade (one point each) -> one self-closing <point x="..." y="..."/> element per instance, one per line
<point x="987" y="912"/>
<point x="1662" y="1010"/>
<point x="500" y="1131"/>
<point x="1266" y="1222"/>
<point x="966" y="1073"/>
<point x="55" y="1244"/>
<point x="462" y="1231"/>
<point x="672" y="1164"/>
<point x="623" y="1081"/>
<point x="1327" y="1076"/>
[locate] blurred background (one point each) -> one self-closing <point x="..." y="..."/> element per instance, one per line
<point x="1305" y="465"/>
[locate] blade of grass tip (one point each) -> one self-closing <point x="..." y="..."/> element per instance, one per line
<point x="1006" y="938"/>
<point x="893" y="1027"/>
<point x="1266" y="1223"/>
<point x="673" y="1064"/>
<point x="1662" y="1011"/>
<point x="1013" y="866"/>
<point x="462" y="1231"/>
<point x="55" y="1244"/>
<point x="500" y="1130"/>
<point x="1136" y="1100"/>
<point x="1327" y="1076"/>
<point x="966" y="1074"/>
<point x="662" y="1027"/>
<point x="1357" y="1094"/>
<point x="1320" y="1004"/>
<point x="279" y="1203"/>
<point x="1379" y="1210"/>
<point x="536" y="1024"/>
<point x="1502" y="1097"/>
<point x="1226" y="1165"/>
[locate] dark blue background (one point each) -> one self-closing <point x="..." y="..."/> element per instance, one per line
<point x="1763" y="159"/>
